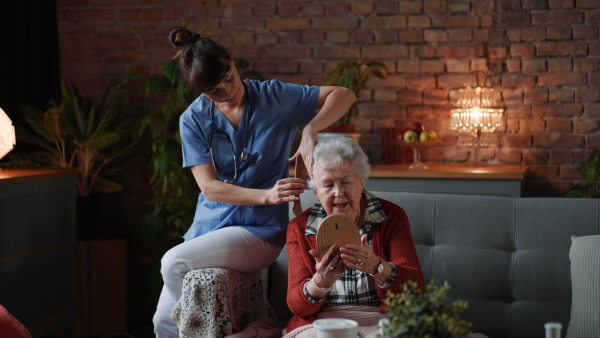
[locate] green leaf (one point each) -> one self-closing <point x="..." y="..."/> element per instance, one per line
<point x="105" y="186"/>
<point x="172" y="70"/>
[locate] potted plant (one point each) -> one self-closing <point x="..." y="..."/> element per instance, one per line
<point x="417" y="313"/>
<point x="91" y="138"/>
<point x="589" y="186"/>
<point x="352" y="75"/>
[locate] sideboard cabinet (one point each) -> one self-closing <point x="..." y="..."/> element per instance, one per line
<point x="37" y="249"/>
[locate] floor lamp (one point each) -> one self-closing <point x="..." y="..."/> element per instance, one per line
<point x="477" y="112"/>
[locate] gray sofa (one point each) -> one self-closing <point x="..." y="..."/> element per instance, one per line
<point x="507" y="257"/>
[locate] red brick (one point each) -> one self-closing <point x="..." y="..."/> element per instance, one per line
<point x="497" y="53"/>
<point x="585" y="32"/>
<point x="456" y="154"/>
<point x="422" y="51"/>
<point x="125" y="57"/>
<point x="459" y="7"/>
<point x="587" y="95"/>
<point x="408" y="66"/>
<point x="384" y="22"/>
<point x="534" y="4"/>
<point x="559" y="33"/>
<point x="518" y="81"/>
<point x="153" y="14"/>
<point x="479" y="65"/>
<point x="514" y="35"/>
<point x="432" y="66"/>
<point x="557" y="188"/>
<point x="558" y="140"/>
<point x="419" y="21"/>
<point x="175" y="13"/>
<point x="459" y="51"/>
<point x="313" y="38"/>
<point x="410" y="36"/>
<point x="420" y="81"/>
<point x="292" y="10"/>
<point x="562" y="79"/>
<point x="558" y="110"/>
<point x="513" y="65"/>
<point x="594" y="79"/>
<point x="585" y="64"/>
<point x="455" y="81"/>
<point x="386" y="8"/>
<point x="522" y="50"/>
<point x="592" y="17"/>
<point x="569" y="172"/>
<point x="385" y="95"/>
<point x="379" y="110"/>
<point x="338" y="9"/>
<point x="562" y="48"/>
<point x="288" y="53"/>
<point x="561" y="4"/>
<point x="512" y="20"/>
<point x="362" y="37"/>
<point x="290" y="38"/>
<point x="391" y="81"/>
<point x="267" y="39"/>
<point x="460" y="35"/>
<point x="311" y="67"/>
<point x="508" y="156"/>
<point x="591" y="4"/>
<point x="435" y="35"/>
<point x="517" y="140"/>
<point x="536" y="95"/>
<point x="337" y="53"/>
<point x="393" y="52"/>
<point x="545" y="171"/>
<point x="409" y="96"/>
<point x="84" y="15"/>
<point x="518" y="111"/>
<point x="453" y="21"/>
<point x="533" y="34"/>
<point x="410" y="6"/>
<point x="265" y="67"/>
<point x="586" y="126"/>
<point x="361" y="8"/>
<point x="244" y="40"/>
<point x="435" y="96"/>
<point x="338" y="37"/>
<point x="349" y="23"/>
<point x="562" y="125"/>
<point x="561" y="95"/>
<point x="551" y="18"/>
<point x="560" y="156"/>
<point x="265" y="10"/>
<point x="313" y="10"/>
<point x="457" y="66"/>
<point x="592" y="141"/>
<point x="592" y="109"/>
<point x="532" y="125"/>
<point x="115" y="43"/>
<point x="533" y="65"/>
<point x="558" y="65"/>
<point x="512" y="95"/>
<point x="288" y="24"/>
<point x="288" y="67"/>
<point x="535" y="156"/>
<point x="384" y="36"/>
<point x="434" y="6"/>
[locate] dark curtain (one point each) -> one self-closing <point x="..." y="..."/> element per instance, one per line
<point x="29" y="57"/>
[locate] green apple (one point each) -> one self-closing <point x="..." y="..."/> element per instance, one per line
<point x="410" y="136"/>
<point x="426" y="136"/>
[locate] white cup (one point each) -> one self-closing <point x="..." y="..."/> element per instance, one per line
<point x="336" y="328"/>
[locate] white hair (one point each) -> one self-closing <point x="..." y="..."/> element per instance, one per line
<point x="339" y="152"/>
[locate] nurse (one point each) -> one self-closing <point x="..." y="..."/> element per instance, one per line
<point x="236" y="138"/>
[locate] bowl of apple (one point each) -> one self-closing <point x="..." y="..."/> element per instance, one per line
<point x="416" y="137"/>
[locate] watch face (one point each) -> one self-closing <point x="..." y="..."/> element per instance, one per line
<point x="380" y="268"/>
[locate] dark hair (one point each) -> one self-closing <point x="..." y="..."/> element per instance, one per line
<point x="203" y="62"/>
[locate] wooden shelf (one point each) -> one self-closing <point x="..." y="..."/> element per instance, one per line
<point x="11" y="176"/>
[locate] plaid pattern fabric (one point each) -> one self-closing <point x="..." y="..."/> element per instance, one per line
<point x="353" y="287"/>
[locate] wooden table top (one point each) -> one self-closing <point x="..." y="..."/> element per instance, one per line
<point x="439" y="170"/>
<point x="11" y="176"/>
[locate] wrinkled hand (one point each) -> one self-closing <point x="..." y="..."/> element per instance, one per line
<point x="353" y="255"/>
<point x="307" y="144"/>
<point x="329" y="268"/>
<point x="285" y="190"/>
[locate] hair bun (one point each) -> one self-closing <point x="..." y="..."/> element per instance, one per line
<point x="180" y="36"/>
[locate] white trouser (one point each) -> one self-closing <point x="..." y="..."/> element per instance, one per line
<point x="232" y="247"/>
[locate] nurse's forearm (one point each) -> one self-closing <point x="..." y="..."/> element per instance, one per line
<point x="334" y="103"/>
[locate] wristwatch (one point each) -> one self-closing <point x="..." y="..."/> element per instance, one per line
<point x="379" y="269"/>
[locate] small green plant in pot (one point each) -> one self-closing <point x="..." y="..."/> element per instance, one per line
<point x="416" y="313"/>
<point x="589" y="186"/>
<point x="354" y="75"/>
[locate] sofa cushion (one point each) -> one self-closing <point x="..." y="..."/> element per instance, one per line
<point x="585" y="281"/>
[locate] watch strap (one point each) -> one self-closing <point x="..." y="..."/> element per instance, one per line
<point x="377" y="272"/>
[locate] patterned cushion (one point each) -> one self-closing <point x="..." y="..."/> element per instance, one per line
<point x="585" y="280"/>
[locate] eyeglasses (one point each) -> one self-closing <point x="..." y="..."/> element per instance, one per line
<point x="216" y="133"/>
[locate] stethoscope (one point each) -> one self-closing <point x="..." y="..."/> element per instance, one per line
<point x="216" y="132"/>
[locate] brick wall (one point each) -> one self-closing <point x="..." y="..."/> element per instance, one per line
<point x="542" y="54"/>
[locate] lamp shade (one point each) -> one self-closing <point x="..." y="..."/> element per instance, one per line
<point x="477" y="111"/>
<point x="7" y="134"/>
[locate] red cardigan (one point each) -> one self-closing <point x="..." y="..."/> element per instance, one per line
<point x="392" y="241"/>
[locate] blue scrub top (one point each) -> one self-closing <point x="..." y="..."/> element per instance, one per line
<point x="276" y="109"/>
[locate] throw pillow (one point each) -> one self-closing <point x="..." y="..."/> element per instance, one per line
<point x="585" y="282"/>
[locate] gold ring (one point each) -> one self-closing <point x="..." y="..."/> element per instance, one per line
<point x="330" y="267"/>
<point x="360" y="262"/>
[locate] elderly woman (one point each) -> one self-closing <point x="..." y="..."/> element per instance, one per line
<point x="352" y="281"/>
